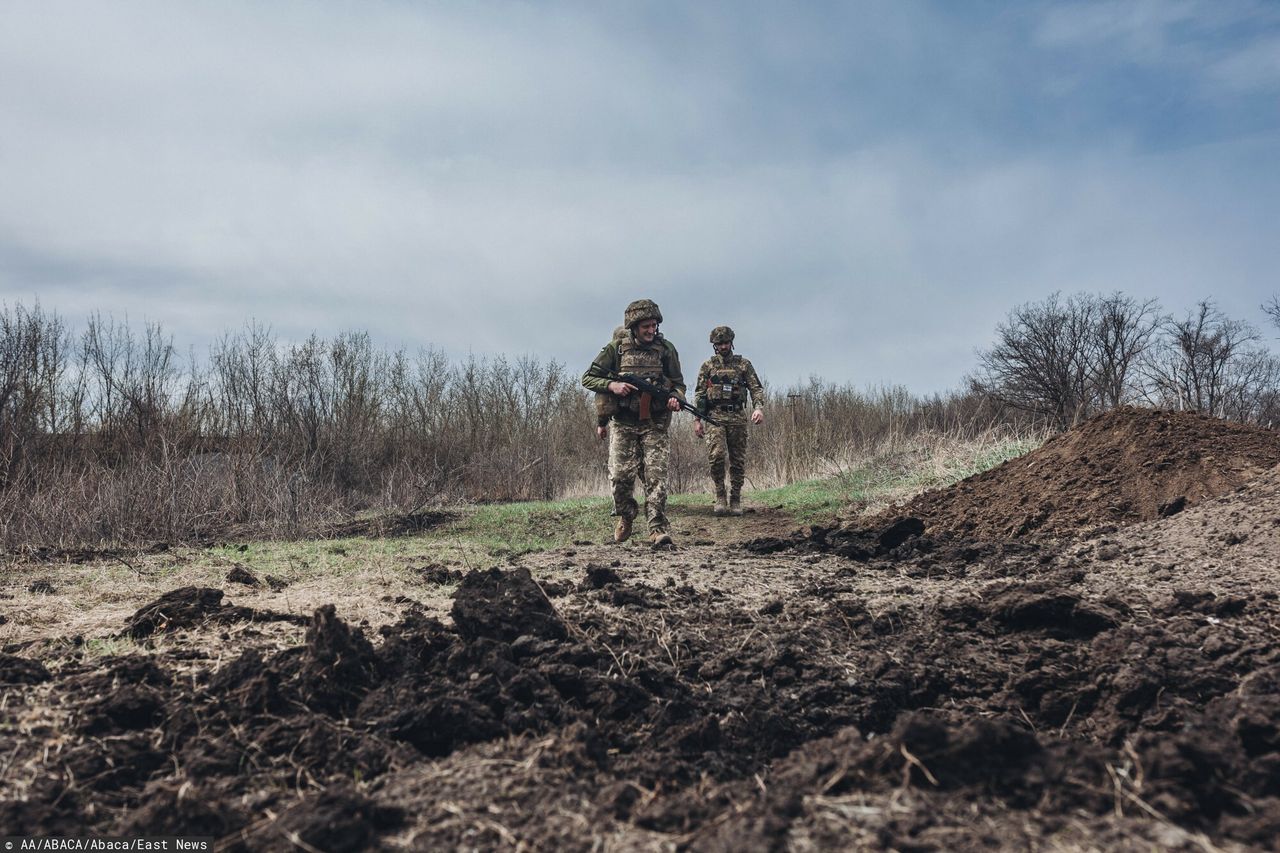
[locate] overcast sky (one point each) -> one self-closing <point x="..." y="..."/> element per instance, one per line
<point x="861" y="189"/>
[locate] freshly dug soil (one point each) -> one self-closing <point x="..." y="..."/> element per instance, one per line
<point x="190" y="606"/>
<point x="891" y="688"/>
<point x="1122" y="467"/>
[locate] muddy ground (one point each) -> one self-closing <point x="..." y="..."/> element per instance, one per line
<point x="898" y="684"/>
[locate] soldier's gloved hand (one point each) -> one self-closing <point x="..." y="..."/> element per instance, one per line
<point x="697" y="429"/>
<point x="673" y="405"/>
<point x="757" y="417"/>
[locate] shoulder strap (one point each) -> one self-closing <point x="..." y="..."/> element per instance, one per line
<point x="667" y="349"/>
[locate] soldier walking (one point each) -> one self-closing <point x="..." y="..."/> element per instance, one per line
<point x="637" y="425"/>
<point x="724" y="383"/>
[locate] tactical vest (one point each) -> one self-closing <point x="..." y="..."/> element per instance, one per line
<point x="726" y="386"/>
<point x="648" y="362"/>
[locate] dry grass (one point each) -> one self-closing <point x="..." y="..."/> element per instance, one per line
<point x="92" y="600"/>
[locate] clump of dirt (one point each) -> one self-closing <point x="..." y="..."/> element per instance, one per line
<point x="1125" y="466"/>
<point x="338" y="818"/>
<point x="184" y="607"/>
<point x="192" y="606"/>
<point x="852" y="544"/>
<point x="598" y="577"/>
<point x="241" y="575"/>
<point x="503" y="606"/>
<point x="438" y="575"/>
<point x="18" y="670"/>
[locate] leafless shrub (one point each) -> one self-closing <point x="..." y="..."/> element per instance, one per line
<point x="1067" y="359"/>
<point x="1272" y="310"/>
<point x="1043" y="359"/>
<point x="1208" y="362"/>
<point x="1124" y="331"/>
<point x="1048" y="357"/>
<point x="820" y="429"/>
<point x="109" y="438"/>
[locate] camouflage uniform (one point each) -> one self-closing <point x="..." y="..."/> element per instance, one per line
<point x="724" y="383"/>
<point x="639" y="442"/>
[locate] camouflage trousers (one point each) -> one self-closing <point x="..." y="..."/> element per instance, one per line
<point x="727" y="443"/>
<point x="640" y="449"/>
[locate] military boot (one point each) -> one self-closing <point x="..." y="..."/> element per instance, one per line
<point x="722" y="503"/>
<point x="622" y="530"/>
<point x="659" y="538"/>
<point x="735" y="503"/>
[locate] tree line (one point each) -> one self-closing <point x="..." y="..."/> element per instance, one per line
<point x="1068" y="358"/>
<point x="110" y="435"/>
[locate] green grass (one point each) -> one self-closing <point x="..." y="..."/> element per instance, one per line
<point x="489" y="534"/>
<point x="482" y="536"/>
<point x="808" y="501"/>
<point x="518" y="528"/>
<point x="297" y="561"/>
<point x="101" y="647"/>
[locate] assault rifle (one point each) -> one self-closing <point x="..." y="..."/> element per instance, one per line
<point x="659" y="394"/>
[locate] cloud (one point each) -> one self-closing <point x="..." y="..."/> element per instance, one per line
<point x="1254" y="68"/>
<point x="860" y="191"/>
<point x="1224" y="48"/>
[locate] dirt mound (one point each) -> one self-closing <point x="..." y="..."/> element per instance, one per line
<point x="192" y="606"/>
<point x="1125" y="466"/>
<point x="504" y="606"/>
<point x="17" y="670"/>
<point x="852" y="544"/>
<point x="1239" y="530"/>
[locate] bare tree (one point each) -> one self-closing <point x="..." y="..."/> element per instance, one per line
<point x="32" y="360"/>
<point x="1198" y="367"/>
<point x="1252" y="390"/>
<point x="1272" y="309"/>
<point x="1045" y="359"/>
<point x="1124" y="332"/>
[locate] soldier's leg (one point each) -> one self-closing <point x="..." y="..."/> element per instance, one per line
<point x="736" y="443"/>
<point x="656" y="441"/>
<point x="716" y="453"/>
<point x="625" y="459"/>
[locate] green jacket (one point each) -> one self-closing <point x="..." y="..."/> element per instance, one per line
<point x="610" y="359"/>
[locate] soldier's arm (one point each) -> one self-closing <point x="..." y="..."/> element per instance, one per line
<point x="674" y="375"/>
<point x="753" y="385"/>
<point x="605" y="361"/>
<point x="700" y="387"/>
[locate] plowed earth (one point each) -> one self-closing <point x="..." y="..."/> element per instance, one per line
<point x="902" y="686"/>
<point x="1123" y="467"/>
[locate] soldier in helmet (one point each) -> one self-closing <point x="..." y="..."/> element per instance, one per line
<point x="724" y="383"/>
<point x="635" y="424"/>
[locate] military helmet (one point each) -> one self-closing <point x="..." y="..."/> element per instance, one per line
<point x="641" y="310"/>
<point x="722" y="335"/>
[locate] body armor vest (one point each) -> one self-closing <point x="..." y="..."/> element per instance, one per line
<point x="643" y="361"/>
<point x="726" y="386"/>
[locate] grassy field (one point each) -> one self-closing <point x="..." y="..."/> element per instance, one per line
<point x="487" y="535"/>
